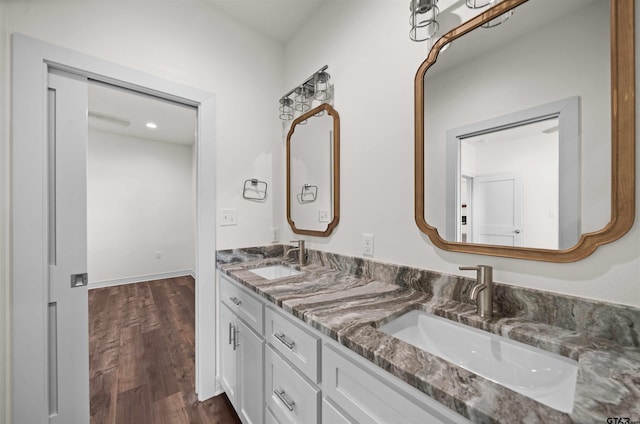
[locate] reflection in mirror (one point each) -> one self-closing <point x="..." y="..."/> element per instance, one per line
<point x="521" y="178"/>
<point x="555" y="195"/>
<point x="312" y="172"/>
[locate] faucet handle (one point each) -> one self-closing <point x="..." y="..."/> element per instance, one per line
<point x="469" y="268"/>
<point x="484" y="272"/>
<point x="474" y="268"/>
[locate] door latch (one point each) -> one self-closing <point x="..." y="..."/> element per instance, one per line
<point x="79" y="280"/>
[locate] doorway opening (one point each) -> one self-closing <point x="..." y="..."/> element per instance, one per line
<point x="140" y="233"/>
<point x="32" y="62"/>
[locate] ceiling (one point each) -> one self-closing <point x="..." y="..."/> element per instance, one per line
<point x="124" y="112"/>
<point x="278" y="19"/>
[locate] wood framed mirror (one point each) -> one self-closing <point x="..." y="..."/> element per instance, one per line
<point x="313" y="172"/>
<point x="496" y="76"/>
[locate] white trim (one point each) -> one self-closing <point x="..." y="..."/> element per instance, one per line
<point x="140" y="279"/>
<point x="31" y="60"/>
<point x="219" y="388"/>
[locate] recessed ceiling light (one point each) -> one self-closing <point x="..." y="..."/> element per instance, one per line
<point x="151" y="125"/>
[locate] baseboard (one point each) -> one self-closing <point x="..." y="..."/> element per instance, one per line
<point x="140" y="279"/>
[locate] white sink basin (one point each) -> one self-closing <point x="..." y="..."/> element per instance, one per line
<point x="273" y="272"/>
<point x="546" y="377"/>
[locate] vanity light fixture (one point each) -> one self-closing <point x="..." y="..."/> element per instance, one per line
<point x="423" y="19"/>
<point x="497" y="21"/>
<point x="286" y="108"/>
<point x="424" y="15"/>
<point x="322" y="86"/>
<point x="303" y="97"/>
<point x="478" y="4"/>
<point x="151" y="125"/>
<point x="316" y="87"/>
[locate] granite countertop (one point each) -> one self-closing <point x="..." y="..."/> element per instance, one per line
<point x="350" y="308"/>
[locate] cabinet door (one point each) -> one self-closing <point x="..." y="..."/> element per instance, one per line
<point x="228" y="362"/>
<point x="250" y="375"/>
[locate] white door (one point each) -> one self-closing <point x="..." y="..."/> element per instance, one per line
<point x="68" y="303"/>
<point x="497" y="210"/>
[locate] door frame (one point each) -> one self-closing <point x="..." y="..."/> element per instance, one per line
<point x="31" y="60"/>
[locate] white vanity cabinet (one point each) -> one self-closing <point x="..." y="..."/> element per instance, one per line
<point x="242" y="351"/>
<point x="301" y="376"/>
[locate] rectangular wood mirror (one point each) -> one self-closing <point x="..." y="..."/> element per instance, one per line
<point x="313" y="172"/>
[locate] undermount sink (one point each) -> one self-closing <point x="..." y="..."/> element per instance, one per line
<point x="543" y="376"/>
<point x="273" y="272"/>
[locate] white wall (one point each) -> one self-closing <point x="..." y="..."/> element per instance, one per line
<point x="184" y="41"/>
<point x="373" y="64"/>
<point x="5" y="295"/>
<point x="191" y="43"/>
<point x="139" y="202"/>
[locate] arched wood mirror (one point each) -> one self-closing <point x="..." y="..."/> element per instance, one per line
<point x="313" y="172"/>
<point x="525" y="131"/>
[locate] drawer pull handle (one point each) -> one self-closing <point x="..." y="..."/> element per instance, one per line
<point x="284" y="340"/>
<point x="235" y="300"/>
<point x="235" y="338"/>
<point x="231" y="332"/>
<point x="281" y="395"/>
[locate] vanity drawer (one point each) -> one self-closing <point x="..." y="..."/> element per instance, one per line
<point x="293" y="342"/>
<point x="289" y="397"/>
<point x="371" y="400"/>
<point x="246" y="305"/>
<point x="330" y="415"/>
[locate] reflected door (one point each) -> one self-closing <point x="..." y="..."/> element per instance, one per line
<point x="497" y="210"/>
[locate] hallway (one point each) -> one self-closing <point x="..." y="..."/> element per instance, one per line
<point x="141" y="344"/>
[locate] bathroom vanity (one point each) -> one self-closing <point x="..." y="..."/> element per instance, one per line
<point x="313" y="344"/>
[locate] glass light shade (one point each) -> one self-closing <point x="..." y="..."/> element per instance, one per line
<point x="286" y="109"/>
<point x="303" y="97"/>
<point x="477" y="4"/>
<point x="500" y="19"/>
<point x="322" y="86"/>
<point x="497" y="21"/>
<point x="423" y="19"/>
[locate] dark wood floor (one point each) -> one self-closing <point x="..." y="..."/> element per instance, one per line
<point x="141" y="344"/>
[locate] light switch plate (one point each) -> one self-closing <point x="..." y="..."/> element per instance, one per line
<point x="323" y="215"/>
<point x="367" y="244"/>
<point x="228" y="217"/>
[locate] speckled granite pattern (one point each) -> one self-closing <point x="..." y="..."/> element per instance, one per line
<point x="346" y="304"/>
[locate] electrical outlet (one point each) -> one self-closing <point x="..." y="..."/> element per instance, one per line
<point x="158" y="254"/>
<point x="323" y="216"/>
<point x="367" y="244"/>
<point x="275" y="234"/>
<point x="228" y="217"/>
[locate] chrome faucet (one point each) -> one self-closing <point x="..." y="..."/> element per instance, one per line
<point x="302" y="252"/>
<point x="482" y="292"/>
